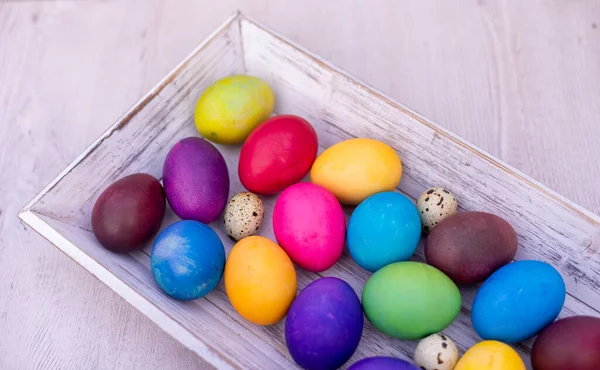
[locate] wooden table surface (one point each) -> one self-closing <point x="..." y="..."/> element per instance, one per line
<point x="519" y="79"/>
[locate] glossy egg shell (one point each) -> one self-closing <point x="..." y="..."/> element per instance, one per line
<point x="569" y="343"/>
<point x="260" y="280"/>
<point x="410" y="300"/>
<point x="129" y="213"/>
<point x="382" y="363"/>
<point x="470" y="246"/>
<point x="357" y="168"/>
<point x="310" y="226"/>
<point x="531" y="293"/>
<point x="383" y="229"/>
<point x="277" y="154"/>
<point x="196" y="180"/>
<point x="187" y="260"/>
<point x="490" y="355"/>
<point x="228" y="110"/>
<point x="324" y="324"/>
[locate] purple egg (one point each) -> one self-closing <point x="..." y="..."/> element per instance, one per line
<point x="196" y="180"/>
<point x="324" y="324"/>
<point x="382" y="363"/>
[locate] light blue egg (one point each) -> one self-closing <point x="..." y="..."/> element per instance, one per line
<point x="517" y="301"/>
<point x="187" y="260"/>
<point x="383" y="229"/>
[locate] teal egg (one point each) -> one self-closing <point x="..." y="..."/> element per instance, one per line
<point x="383" y="229"/>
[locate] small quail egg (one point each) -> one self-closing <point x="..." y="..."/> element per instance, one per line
<point x="436" y="352"/>
<point x="243" y="215"/>
<point x="434" y="205"/>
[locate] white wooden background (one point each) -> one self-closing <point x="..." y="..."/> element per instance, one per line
<point x="519" y="79"/>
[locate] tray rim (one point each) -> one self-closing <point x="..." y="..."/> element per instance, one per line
<point x="131" y="295"/>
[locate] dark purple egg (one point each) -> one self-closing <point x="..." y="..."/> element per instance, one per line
<point x="470" y="246"/>
<point x="324" y="324"/>
<point x="196" y="180"/>
<point x="569" y="343"/>
<point x="382" y="363"/>
<point x="129" y="213"/>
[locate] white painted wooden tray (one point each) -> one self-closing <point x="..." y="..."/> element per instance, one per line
<point x="550" y="227"/>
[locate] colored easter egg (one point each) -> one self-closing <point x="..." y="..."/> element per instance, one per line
<point x="324" y="324"/>
<point x="383" y="229"/>
<point x="569" y="343"/>
<point x="260" y="280"/>
<point x="470" y="246"/>
<point x="357" y="168"/>
<point x="382" y="363"/>
<point x="196" y="180"/>
<point x="490" y="355"/>
<point x="277" y="154"/>
<point x="229" y="109"/>
<point x="187" y="260"/>
<point x="129" y="213"/>
<point x="531" y="293"/>
<point x="409" y="300"/>
<point x="436" y="352"/>
<point x="310" y="226"/>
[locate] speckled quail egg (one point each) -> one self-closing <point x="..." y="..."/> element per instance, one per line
<point x="434" y="205"/>
<point x="243" y="215"/>
<point x="436" y="352"/>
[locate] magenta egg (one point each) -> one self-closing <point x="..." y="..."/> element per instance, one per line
<point x="196" y="180"/>
<point x="309" y="224"/>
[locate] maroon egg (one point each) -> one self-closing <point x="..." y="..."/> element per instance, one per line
<point x="470" y="246"/>
<point x="570" y="343"/>
<point x="129" y="213"/>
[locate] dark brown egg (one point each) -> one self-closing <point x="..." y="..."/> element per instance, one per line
<point x="129" y="213"/>
<point x="570" y="343"/>
<point x="470" y="246"/>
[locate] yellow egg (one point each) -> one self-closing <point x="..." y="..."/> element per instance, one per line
<point x="356" y="169"/>
<point x="232" y="107"/>
<point x="490" y="355"/>
<point x="260" y="280"/>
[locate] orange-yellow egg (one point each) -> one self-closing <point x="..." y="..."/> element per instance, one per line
<point x="260" y="280"/>
<point x="490" y="355"/>
<point x="356" y="169"/>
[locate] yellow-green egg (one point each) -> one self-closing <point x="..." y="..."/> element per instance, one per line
<point x="232" y="107"/>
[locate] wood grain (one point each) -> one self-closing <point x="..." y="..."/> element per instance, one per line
<point x="519" y="79"/>
<point x="550" y="228"/>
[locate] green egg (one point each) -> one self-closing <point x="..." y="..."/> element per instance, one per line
<point x="410" y="300"/>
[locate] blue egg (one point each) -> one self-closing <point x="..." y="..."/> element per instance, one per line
<point x="517" y="301"/>
<point x="187" y="260"/>
<point x="383" y="229"/>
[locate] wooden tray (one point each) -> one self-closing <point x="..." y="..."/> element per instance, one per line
<point x="550" y="227"/>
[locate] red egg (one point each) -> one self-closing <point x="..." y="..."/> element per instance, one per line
<point x="129" y="213"/>
<point x="277" y="154"/>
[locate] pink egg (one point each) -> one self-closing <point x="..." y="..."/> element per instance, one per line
<point x="309" y="225"/>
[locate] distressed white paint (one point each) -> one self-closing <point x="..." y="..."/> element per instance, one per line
<point x="549" y="227"/>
